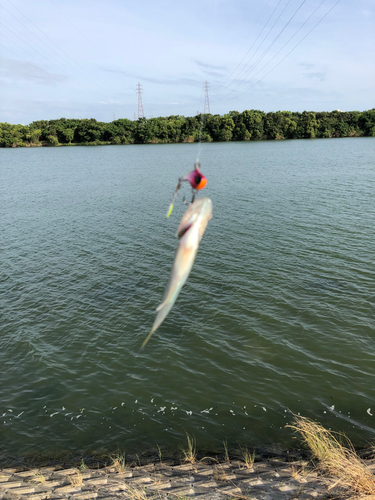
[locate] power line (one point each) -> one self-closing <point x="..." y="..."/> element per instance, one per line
<point x="33" y="48"/>
<point x="252" y="45"/>
<point x="260" y="58"/>
<point x="276" y="65"/>
<point x="31" y="64"/>
<point x="71" y="22"/>
<point x="261" y="43"/>
<point x="50" y="48"/>
<point x="255" y="23"/>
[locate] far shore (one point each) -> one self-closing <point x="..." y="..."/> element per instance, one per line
<point x="108" y="143"/>
<point x="249" y="125"/>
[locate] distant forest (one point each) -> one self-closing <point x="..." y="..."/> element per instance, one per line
<point x="234" y="126"/>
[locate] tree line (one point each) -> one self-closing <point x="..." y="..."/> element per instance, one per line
<point x="234" y="126"/>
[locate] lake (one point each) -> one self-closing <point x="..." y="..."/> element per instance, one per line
<point x="277" y="316"/>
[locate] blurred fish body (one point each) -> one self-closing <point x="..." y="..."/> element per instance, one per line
<point x="190" y="231"/>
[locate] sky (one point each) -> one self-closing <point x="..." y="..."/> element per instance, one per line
<point x="84" y="58"/>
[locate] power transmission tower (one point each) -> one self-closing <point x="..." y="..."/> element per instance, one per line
<point x="206" y="88"/>
<point x="113" y="117"/>
<point x="140" y="105"/>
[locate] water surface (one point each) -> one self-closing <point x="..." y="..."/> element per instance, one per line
<point x="277" y="315"/>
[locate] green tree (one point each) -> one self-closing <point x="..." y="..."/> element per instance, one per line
<point x="307" y="126"/>
<point x="253" y="121"/>
<point x="367" y="122"/>
<point x="219" y="128"/>
<point x="88" y="131"/>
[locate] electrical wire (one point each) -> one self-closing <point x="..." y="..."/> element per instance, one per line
<point x="252" y="45"/>
<point x="31" y="64"/>
<point x="283" y="59"/>
<point x="79" y="31"/>
<point x="33" y="48"/>
<point x="264" y="39"/>
<point x="239" y="84"/>
<point x="50" y="48"/>
<point x="239" y="64"/>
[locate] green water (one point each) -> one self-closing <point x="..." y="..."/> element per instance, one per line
<point x="277" y="314"/>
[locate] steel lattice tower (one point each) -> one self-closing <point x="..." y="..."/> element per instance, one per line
<point x="140" y="105"/>
<point x="206" y="88"/>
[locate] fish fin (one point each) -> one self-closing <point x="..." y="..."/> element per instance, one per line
<point x="162" y="305"/>
<point x="162" y="314"/>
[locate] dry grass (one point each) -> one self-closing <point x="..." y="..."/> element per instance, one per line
<point x="247" y="456"/>
<point x="158" y="479"/>
<point x="335" y="458"/>
<point x="219" y="474"/>
<point x="226" y="454"/>
<point x="136" y="493"/>
<point x="39" y="478"/>
<point x="76" y="479"/>
<point x="118" y="462"/>
<point x="190" y="453"/>
<point x="297" y="471"/>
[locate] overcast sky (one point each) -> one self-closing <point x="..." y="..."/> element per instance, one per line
<point x="84" y="58"/>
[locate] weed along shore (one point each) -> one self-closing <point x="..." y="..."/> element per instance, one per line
<point x="327" y="468"/>
<point x="205" y="479"/>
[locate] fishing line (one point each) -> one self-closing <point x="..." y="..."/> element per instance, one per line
<point x="200" y="138"/>
<point x="196" y="179"/>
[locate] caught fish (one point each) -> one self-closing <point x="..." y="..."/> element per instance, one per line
<point x="190" y="231"/>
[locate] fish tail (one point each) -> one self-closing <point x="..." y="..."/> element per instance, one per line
<point x="147" y="339"/>
<point x="163" y="309"/>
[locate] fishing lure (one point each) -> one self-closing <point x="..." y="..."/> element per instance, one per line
<point x="197" y="181"/>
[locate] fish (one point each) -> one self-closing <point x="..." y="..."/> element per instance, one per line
<point x="190" y="231"/>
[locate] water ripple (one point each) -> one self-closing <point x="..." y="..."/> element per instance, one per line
<point x="277" y="314"/>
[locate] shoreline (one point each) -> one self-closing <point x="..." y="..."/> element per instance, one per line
<point x="272" y="479"/>
<point x="207" y="478"/>
<point x="161" y="142"/>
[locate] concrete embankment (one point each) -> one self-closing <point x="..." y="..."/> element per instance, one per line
<point x="272" y="479"/>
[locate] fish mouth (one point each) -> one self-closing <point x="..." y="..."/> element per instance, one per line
<point x="184" y="230"/>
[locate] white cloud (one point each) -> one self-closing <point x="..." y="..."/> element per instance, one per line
<point x="16" y="71"/>
<point x="171" y="49"/>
